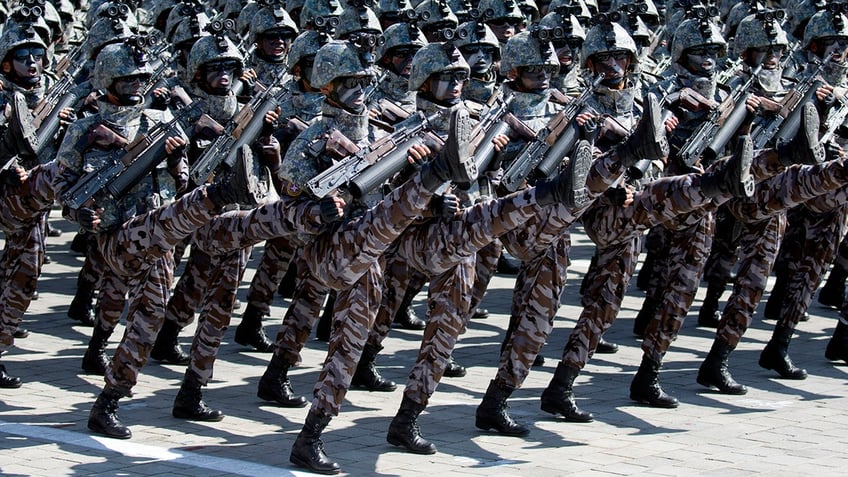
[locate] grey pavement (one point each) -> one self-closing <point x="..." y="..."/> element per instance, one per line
<point x="779" y="428"/>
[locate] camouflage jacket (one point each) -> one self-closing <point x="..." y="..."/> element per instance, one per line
<point x="76" y="158"/>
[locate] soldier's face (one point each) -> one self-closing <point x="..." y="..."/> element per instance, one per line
<point x="27" y="63"/>
<point x="568" y="52"/>
<point x="479" y="57"/>
<point x="130" y="89"/>
<point x="275" y="44"/>
<point x="535" y="79"/>
<point x="505" y="28"/>
<point x="447" y="85"/>
<point x="768" y="56"/>
<point x="702" y="60"/>
<point x="400" y="60"/>
<point x="835" y="47"/>
<point x="614" y="66"/>
<point x="349" y="91"/>
<point x="219" y="75"/>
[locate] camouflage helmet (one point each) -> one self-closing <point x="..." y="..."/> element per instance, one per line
<point x="53" y="20"/>
<point x="434" y="13"/>
<point x="115" y="9"/>
<point x="435" y="58"/>
<point x="497" y="9"/>
<point x="105" y="31"/>
<point x="607" y="36"/>
<point x="477" y="33"/>
<point x="529" y="48"/>
<point x="759" y="30"/>
<point x="245" y="17"/>
<point x="337" y="59"/>
<point x="735" y="16"/>
<point x="190" y="29"/>
<point x="33" y="14"/>
<point x="319" y="10"/>
<point x="824" y="24"/>
<point x="119" y="60"/>
<point x="694" y="32"/>
<point x="400" y="34"/>
<point x="644" y="9"/>
<point x="182" y="10"/>
<point x="306" y="44"/>
<point x="800" y="13"/>
<point x="272" y="17"/>
<point x="357" y="20"/>
<point x="578" y="8"/>
<point x="571" y="27"/>
<point x="530" y="11"/>
<point x="18" y="34"/>
<point x="214" y="46"/>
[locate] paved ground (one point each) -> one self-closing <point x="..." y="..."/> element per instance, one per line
<point x="778" y="428"/>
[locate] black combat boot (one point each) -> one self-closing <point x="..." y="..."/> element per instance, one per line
<point x="833" y="292"/>
<point x="714" y="373"/>
<point x="772" y="310"/>
<point x="645" y="387"/>
<point x="648" y="312"/>
<point x="250" y="333"/>
<point x="367" y="376"/>
<point x="709" y="316"/>
<point x="404" y="430"/>
<point x="649" y="140"/>
<point x="242" y="186"/>
<point x="454" y="369"/>
<point x="21" y="333"/>
<point x="325" y="323"/>
<point x="606" y="347"/>
<point x="493" y="412"/>
<point x="166" y="348"/>
<point x="558" y="397"/>
<point x="837" y="347"/>
<point x="94" y="361"/>
<point x="454" y="163"/>
<point x="507" y="264"/>
<point x="8" y="382"/>
<point x="308" y="448"/>
<point x="569" y="187"/>
<point x="405" y="316"/>
<point x="103" y="418"/>
<point x="804" y="147"/>
<point x="274" y="386"/>
<point x="82" y="306"/>
<point x="189" y="401"/>
<point x="776" y="354"/>
<point x="733" y="175"/>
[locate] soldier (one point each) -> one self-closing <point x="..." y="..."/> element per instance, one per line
<point x="506" y="19"/>
<point x="302" y="107"/>
<point x="122" y="225"/>
<point x="437" y="17"/>
<point x="569" y="79"/>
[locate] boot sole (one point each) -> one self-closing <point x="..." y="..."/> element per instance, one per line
<point x="653" y="114"/>
<point x="303" y="464"/>
<point x="493" y="428"/>
<point x="397" y="443"/>
<point x="568" y="418"/>
<point x="97" y="430"/>
<point x="581" y="164"/>
<point x="810" y="129"/>
<point x="291" y="404"/>
<point x="190" y="417"/>
<point x="744" y="186"/>
<point x="729" y="392"/>
<point x="461" y="162"/>
<point x="651" y="403"/>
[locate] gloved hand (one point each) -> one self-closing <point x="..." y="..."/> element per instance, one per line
<point x="446" y="205"/>
<point x="332" y="209"/>
<point x="67" y="116"/>
<point x="88" y="218"/>
<point x="13" y="176"/>
<point x="175" y="148"/>
<point x="161" y="99"/>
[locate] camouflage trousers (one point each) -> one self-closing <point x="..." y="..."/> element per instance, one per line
<point x="138" y="252"/>
<point x="484" y="269"/>
<point x="681" y="269"/>
<point x="23" y="255"/>
<point x="276" y="259"/>
<point x="310" y="293"/>
<point x="842" y="253"/>
<point x="764" y="223"/>
<point x="397" y="276"/>
<point x="616" y="231"/>
<point x="723" y="254"/>
<point x="808" y="248"/>
<point x="112" y="289"/>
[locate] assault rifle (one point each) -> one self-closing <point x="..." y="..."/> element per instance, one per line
<point x="73" y="61"/>
<point x="804" y="91"/>
<point x="835" y="120"/>
<point x="723" y="121"/>
<point x="140" y="157"/>
<point x="552" y="143"/>
<point x="491" y="124"/>
<point x="366" y="168"/>
<point x="243" y="129"/>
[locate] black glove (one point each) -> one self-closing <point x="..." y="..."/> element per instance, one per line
<point x="329" y="210"/>
<point x="175" y="157"/>
<point x="161" y="100"/>
<point x="68" y="118"/>
<point x="616" y="195"/>
<point x="445" y="205"/>
<point x="86" y="218"/>
<point x="10" y="177"/>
